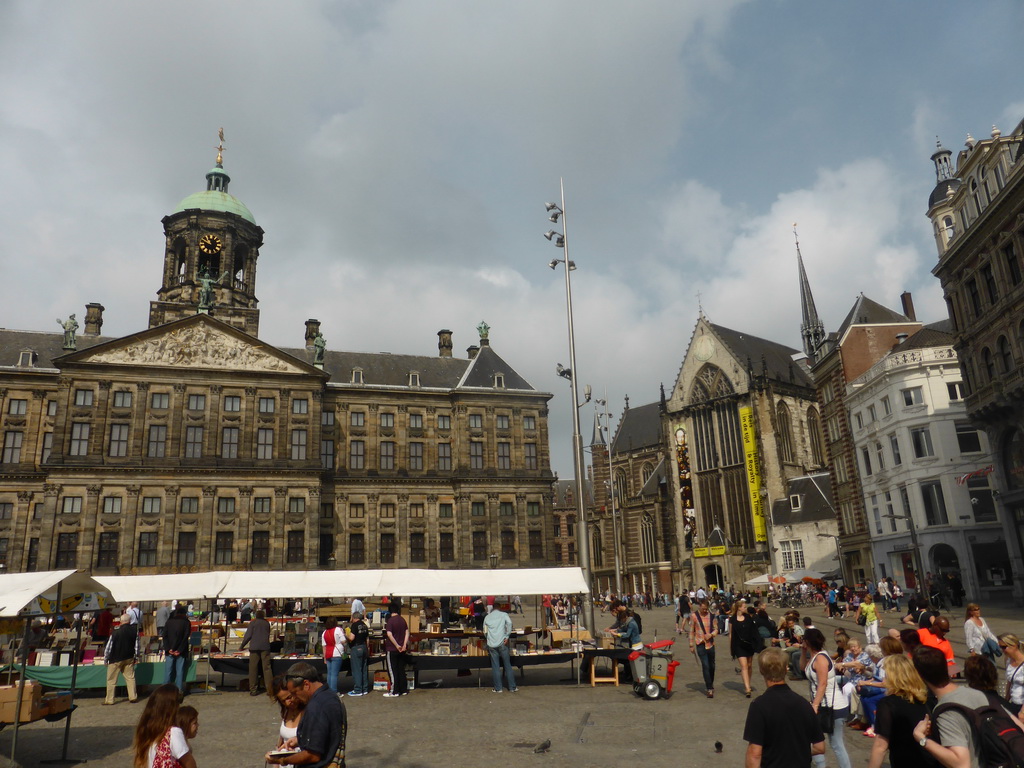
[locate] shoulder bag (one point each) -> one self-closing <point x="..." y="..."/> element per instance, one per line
<point x="826" y="712"/>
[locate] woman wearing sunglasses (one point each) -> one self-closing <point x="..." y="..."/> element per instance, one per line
<point x="1010" y="645"/>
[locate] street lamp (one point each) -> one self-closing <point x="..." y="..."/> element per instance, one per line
<point x="606" y="426"/>
<point x="916" y="551"/>
<point x="839" y="554"/>
<point x="560" y="240"/>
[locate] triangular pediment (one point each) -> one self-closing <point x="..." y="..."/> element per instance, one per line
<point x="194" y="342"/>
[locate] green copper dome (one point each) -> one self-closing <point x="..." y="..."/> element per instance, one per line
<point x="216" y="197"/>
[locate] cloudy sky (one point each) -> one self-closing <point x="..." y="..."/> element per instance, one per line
<point x="398" y="155"/>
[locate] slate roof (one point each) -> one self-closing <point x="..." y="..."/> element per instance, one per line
<point x="778" y="358"/>
<point x="814" y="505"/>
<point x="485" y="365"/>
<point x="640" y="427"/>
<point x="866" y="311"/>
<point x="563" y="488"/>
<point x="384" y="369"/>
<point x="46" y="345"/>
<point x="938" y="334"/>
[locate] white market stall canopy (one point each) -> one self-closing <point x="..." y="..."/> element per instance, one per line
<point x="330" y="584"/>
<point x="79" y="591"/>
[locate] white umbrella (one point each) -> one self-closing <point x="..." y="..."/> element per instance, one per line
<point x="794" y="577"/>
<point x="759" y="581"/>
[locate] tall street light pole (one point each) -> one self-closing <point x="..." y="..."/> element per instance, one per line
<point x="583" y="532"/>
<point x="606" y="426"/>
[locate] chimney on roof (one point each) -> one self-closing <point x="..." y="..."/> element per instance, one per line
<point x="93" y="319"/>
<point x="312" y="329"/>
<point x="908" y="305"/>
<point x="444" y="343"/>
<point x="471" y="351"/>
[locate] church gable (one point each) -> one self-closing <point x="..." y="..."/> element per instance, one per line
<point x="196" y="342"/>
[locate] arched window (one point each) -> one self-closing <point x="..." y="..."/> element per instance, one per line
<point x="649" y="550"/>
<point x="621" y="487"/>
<point x="950" y="227"/>
<point x="814" y="433"/>
<point x="976" y="197"/>
<point x="988" y="364"/>
<point x="785" y="432"/>
<point x="1005" y="355"/>
<point x="597" y="546"/>
<point x="646" y="471"/>
<point x="238" y="267"/>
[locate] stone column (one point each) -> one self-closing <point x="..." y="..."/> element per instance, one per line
<point x="206" y="533"/>
<point x="48" y="539"/>
<point x="167" y="557"/>
<point x="126" y="559"/>
<point x="243" y="526"/>
<point x="279" y="523"/>
<point x="90" y="526"/>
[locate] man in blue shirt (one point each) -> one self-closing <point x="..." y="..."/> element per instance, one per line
<point x="498" y="626"/>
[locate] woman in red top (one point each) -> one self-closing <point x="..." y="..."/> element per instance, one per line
<point x="334" y="650"/>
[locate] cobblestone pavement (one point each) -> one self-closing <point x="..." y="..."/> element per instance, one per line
<point x="463" y="723"/>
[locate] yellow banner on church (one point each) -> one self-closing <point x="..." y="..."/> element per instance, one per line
<point x="753" y="467"/>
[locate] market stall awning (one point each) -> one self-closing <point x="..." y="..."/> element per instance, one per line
<point x="759" y="581"/>
<point x="19" y="592"/>
<point x="302" y="584"/>
<point x="794" y="577"/>
<point x="498" y="581"/>
<point x="169" y="586"/>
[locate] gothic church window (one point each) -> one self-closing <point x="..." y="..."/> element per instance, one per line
<point x="785" y="432"/>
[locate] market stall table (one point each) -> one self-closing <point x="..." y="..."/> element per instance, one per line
<point x="95" y="675"/>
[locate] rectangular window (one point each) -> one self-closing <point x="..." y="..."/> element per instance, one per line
<point x="955" y="390"/>
<point x="968" y="439"/>
<point x="444" y="421"/>
<point x="417" y="548"/>
<point x="300" y="405"/>
<point x="298" y="445"/>
<point x="556" y="527"/>
<point x="912" y="396"/>
<point x="570" y="526"/>
<point x="894" y="445"/>
<point x="264" y="444"/>
<point x="387" y="420"/>
<point x="356" y="548"/>
<point x="871" y="414"/>
<point x="12" y="447"/>
<point x="51" y="407"/>
<point x="536" y="545"/>
<point x="444" y="457"/>
<point x="225" y="506"/>
<point x="508" y="545"/>
<point x="261" y="505"/>
<point x="501" y="421"/>
<point x="356" y="454"/>
<point x="865" y="456"/>
<point x="189" y="505"/>
<point x="193" y="442"/>
<point x="147" y="548"/>
<point x="530" y="455"/>
<point x="122" y="399"/>
<point x="905" y="500"/>
<point x="529" y="422"/>
<point x="17" y="407"/>
<point x="415" y="455"/>
<point x="886" y="406"/>
<point x="387" y="511"/>
<point x="224" y="548"/>
<point x="296" y="546"/>
<point x="876" y="513"/>
<point x="160" y="401"/>
<point x="476" y="421"/>
<point x="156" y="447"/>
<point x="478" y="509"/>
<point x="112" y="505"/>
<point x="834" y="430"/>
<point x="267" y="405"/>
<point x="47" y="447"/>
<point x="506" y="509"/>
<point x="533" y="509"/>
<point x="67" y="550"/>
<point x="921" y="438"/>
<point x="118" y="440"/>
<point x="32" y="560"/>
<point x="79" y="438"/>
<point x="357" y="419"/>
<point x="880" y="456"/>
<point x="934" y="503"/>
<point x="415" y="510"/>
<point x="446" y="547"/>
<point x="229" y="443"/>
<point x="387" y="454"/>
<point x="974" y="295"/>
<point x="6" y="510"/>
<point x="387" y="547"/>
<point x="1012" y="264"/>
<point x="982" y="503"/>
<point x="327" y="418"/>
<point x="989" y="278"/>
<point x="151" y="505"/>
<point x="83" y="397"/>
<point x="792" y="554"/>
<point x="327" y="454"/>
<point x="106" y="553"/>
<point x="444" y="510"/>
<point x="37" y="510"/>
<point x="890" y="510"/>
<point x="186" y="554"/>
<point x="260" y="547"/>
<point x="357" y="511"/>
<point x="504" y="455"/>
<point x="415" y="421"/>
<point x="858" y="420"/>
<point x="232" y="404"/>
<point x="476" y="454"/>
<point x="72" y="505"/>
<point x="296" y="506"/>
<point x="197" y="402"/>
<point x="479" y="545"/>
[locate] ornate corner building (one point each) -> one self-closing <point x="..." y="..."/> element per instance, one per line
<point x="977" y="212"/>
<point x="193" y="445"/>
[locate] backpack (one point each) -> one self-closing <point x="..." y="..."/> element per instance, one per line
<point x="639" y="623"/>
<point x="1000" y="740"/>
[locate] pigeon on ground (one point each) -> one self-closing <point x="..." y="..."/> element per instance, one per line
<point x="544" y="746"/>
<point x="718" y="747"/>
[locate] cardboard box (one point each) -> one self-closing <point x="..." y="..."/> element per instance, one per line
<point x="414" y="623"/>
<point x="57" y="702"/>
<point x="32" y="707"/>
<point x="380" y="681"/>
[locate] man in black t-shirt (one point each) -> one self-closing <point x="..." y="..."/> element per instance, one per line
<point x="782" y="729"/>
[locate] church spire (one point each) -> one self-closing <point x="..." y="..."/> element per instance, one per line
<point x="811" y="328"/>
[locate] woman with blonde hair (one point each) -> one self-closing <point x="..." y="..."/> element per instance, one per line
<point x="897" y="714"/>
<point x="159" y="742"/>
<point x="744" y="640"/>
<point x="1010" y="645"/>
<point x="978" y="636"/>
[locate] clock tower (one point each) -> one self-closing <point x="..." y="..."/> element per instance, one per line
<point x="211" y="246"/>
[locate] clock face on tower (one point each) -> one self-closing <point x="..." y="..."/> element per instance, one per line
<point x="210" y="244"/>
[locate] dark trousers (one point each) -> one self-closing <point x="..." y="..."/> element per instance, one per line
<point x="258" y="659"/>
<point x="396" y="671"/>
<point x="706" y="656"/>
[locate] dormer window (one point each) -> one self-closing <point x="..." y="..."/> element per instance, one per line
<point x="794" y="502"/>
<point x="414" y="379"/>
<point x="499" y="381"/>
<point x="357" y="375"/>
<point x="26" y="359"/>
